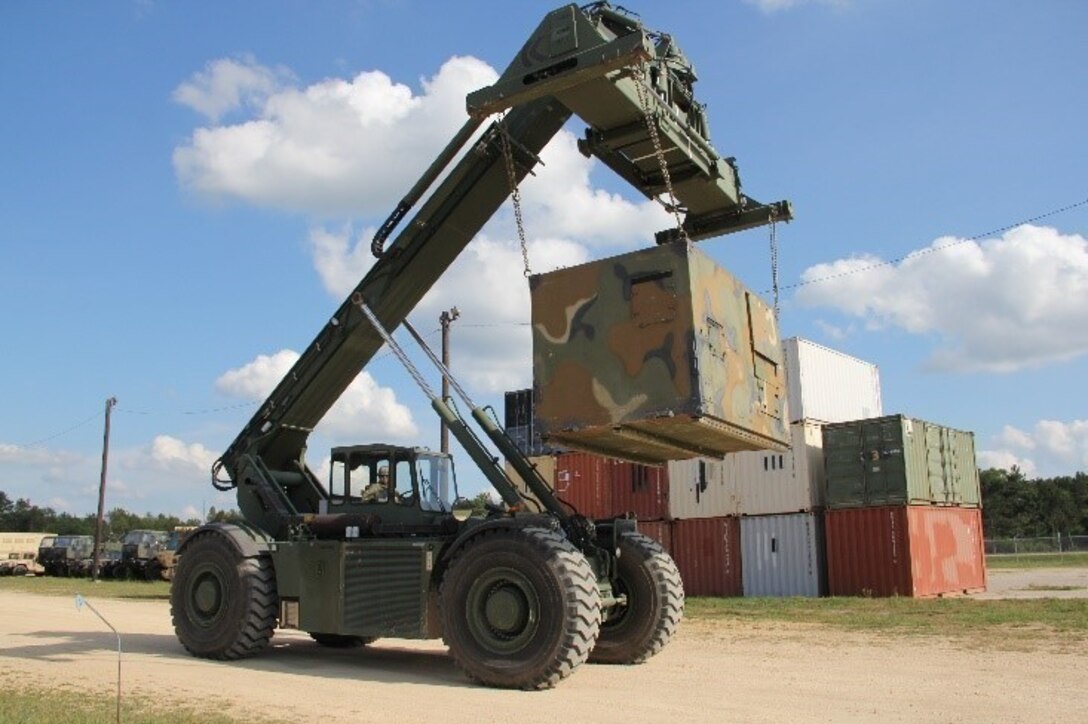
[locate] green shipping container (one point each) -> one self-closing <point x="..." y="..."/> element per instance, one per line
<point x="898" y="460"/>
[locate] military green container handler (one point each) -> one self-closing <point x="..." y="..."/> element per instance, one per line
<point x="656" y="355"/>
<point x="898" y="460"/>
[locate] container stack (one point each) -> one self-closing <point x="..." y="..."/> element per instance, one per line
<point x="780" y="497"/>
<point x="853" y="504"/>
<point x="904" y="515"/>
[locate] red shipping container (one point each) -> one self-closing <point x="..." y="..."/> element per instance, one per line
<point x="585" y="481"/>
<point x="640" y="490"/>
<point x="659" y="530"/>
<point x="918" y="551"/>
<point x="707" y="552"/>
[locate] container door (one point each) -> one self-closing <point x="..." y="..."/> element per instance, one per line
<point x="845" y="465"/>
<point x="939" y="465"/>
<point x="766" y="356"/>
<point x="886" y="466"/>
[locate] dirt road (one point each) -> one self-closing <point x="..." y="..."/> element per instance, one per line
<point x="711" y="673"/>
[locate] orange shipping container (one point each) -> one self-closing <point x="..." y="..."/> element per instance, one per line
<point x="659" y="530"/>
<point x="640" y="490"/>
<point x="707" y="552"/>
<point x="585" y="481"/>
<point x="917" y="551"/>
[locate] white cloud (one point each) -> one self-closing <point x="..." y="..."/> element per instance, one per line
<point x="1054" y="447"/>
<point x="1006" y="460"/>
<point x="772" y="6"/>
<point x="356" y="146"/>
<point x="160" y="476"/>
<point x="491" y="344"/>
<point x="19" y="455"/>
<point x="997" y="305"/>
<point x="227" y="84"/>
<point x="169" y="452"/>
<point x="365" y="410"/>
<point x="561" y="201"/>
<point x="333" y="147"/>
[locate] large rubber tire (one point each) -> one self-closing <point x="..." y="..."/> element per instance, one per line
<point x="655" y="604"/>
<point x="340" y="641"/>
<point x="223" y="605"/>
<point x="520" y="609"/>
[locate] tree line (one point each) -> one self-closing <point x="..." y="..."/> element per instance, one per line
<point x="1012" y="507"/>
<point x="23" y="516"/>
<point x="1015" y="507"/>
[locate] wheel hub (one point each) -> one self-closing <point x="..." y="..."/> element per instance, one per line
<point x="207" y="596"/>
<point x="506" y="609"/>
<point x="503" y="610"/>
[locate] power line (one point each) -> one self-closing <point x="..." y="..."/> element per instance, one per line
<point x="203" y="411"/>
<point x="930" y="250"/>
<point x="65" y="431"/>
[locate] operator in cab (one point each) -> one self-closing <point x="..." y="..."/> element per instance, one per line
<point x="378" y="491"/>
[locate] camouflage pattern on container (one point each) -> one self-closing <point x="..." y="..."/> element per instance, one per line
<point x="656" y="355"/>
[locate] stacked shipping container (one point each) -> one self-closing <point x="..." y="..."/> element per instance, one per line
<point x="799" y="525"/>
<point x="781" y="498"/>
<point x="904" y="517"/>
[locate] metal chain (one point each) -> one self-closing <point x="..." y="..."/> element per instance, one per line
<point x="774" y="258"/>
<point x="515" y="193"/>
<point x="638" y="74"/>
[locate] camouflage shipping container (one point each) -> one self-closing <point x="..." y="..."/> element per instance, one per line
<point x="898" y="460"/>
<point x="655" y="355"/>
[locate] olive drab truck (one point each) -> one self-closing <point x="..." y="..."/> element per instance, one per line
<point x="140" y="551"/>
<point x="526" y="593"/>
<point x="67" y="554"/>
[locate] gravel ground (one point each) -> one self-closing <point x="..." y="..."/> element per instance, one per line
<point x="710" y="672"/>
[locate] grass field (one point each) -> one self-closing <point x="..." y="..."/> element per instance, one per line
<point x="106" y="588"/>
<point x="936" y="616"/>
<point x="70" y="706"/>
<point x="1078" y="559"/>
<point x="942" y="616"/>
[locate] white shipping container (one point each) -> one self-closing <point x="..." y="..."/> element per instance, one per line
<point x="697" y="489"/>
<point x="826" y="385"/>
<point x="768" y="483"/>
<point x="752" y="483"/>
<point x="783" y="555"/>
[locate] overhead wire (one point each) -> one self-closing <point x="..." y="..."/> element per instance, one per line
<point x="934" y="249"/>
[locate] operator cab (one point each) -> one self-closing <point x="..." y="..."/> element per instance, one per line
<point x="392" y="477"/>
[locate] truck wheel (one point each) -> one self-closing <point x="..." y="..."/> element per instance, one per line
<point x="338" y="641"/>
<point x="20" y="570"/>
<point x="655" y="603"/>
<point x="520" y="609"/>
<point x="153" y="572"/>
<point x="223" y="604"/>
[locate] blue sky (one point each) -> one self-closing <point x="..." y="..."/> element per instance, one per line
<point x="183" y="188"/>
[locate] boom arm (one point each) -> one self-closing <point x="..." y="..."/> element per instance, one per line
<point x="621" y="80"/>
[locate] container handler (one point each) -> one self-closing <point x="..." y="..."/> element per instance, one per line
<point x="526" y="594"/>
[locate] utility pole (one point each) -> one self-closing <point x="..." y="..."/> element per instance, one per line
<point x="445" y="319"/>
<point x="102" y="490"/>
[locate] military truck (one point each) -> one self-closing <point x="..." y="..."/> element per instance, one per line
<point x="139" y="554"/>
<point x="525" y="594"/>
<point x="166" y="559"/>
<point x="18" y="553"/>
<point x="20" y="564"/>
<point x="65" y="556"/>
